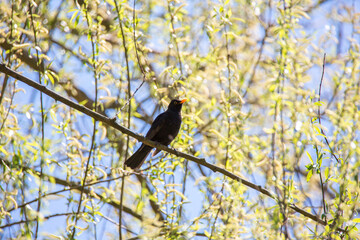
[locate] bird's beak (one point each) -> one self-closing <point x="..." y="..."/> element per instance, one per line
<point x="182" y="101"/>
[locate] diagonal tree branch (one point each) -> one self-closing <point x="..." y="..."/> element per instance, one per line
<point x="112" y="122"/>
<point x="77" y="186"/>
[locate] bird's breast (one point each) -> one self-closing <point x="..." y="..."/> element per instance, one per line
<point x="170" y="129"/>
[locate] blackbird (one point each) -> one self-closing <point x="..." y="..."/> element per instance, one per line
<point x="163" y="130"/>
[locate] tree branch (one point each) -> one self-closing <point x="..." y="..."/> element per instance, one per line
<point x="77" y="186"/>
<point x="112" y="122"/>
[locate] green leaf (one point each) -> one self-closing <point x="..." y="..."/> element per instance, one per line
<point x="50" y="77"/>
<point x="239" y="19"/>
<point x="309" y="175"/>
<point x="76" y="11"/>
<point x="112" y="3"/>
<point x="77" y="20"/>
<point x="309" y="156"/>
<point x="334" y="180"/>
<point x="318" y="103"/>
<point x="309" y="166"/>
<point x="229" y="13"/>
<point x="179" y="8"/>
<point x="327" y="173"/>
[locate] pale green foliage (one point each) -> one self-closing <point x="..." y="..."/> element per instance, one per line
<point x="251" y="71"/>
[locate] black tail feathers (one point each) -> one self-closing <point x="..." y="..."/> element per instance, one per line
<point x="138" y="158"/>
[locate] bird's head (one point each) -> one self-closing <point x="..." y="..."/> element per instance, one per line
<point x="176" y="105"/>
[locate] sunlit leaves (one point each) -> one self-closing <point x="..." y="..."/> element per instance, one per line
<point x="251" y="71"/>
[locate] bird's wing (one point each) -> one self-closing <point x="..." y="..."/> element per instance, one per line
<point x="156" y="125"/>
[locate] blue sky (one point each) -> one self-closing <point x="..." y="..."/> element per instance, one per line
<point x="316" y="26"/>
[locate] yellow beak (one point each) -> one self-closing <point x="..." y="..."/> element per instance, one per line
<point x="182" y="101"/>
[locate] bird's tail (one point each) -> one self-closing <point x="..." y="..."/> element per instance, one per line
<point x="138" y="158"/>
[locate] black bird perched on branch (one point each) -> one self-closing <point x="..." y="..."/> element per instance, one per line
<point x="163" y="130"/>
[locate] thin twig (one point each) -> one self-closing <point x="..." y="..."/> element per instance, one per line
<point x="36" y="219"/>
<point x="319" y="115"/>
<point x="42" y="119"/>
<point x="129" y="112"/>
<point x="10" y="52"/>
<point x="228" y="110"/>
<point x="136" y="53"/>
<point x="94" y="53"/>
<point x="216" y="216"/>
<point x="283" y="205"/>
<point x="137" y="56"/>
<point x="65" y="190"/>
<point x="279" y="108"/>
<point x="173" y="36"/>
<point x="79" y="186"/>
<point x="261" y="50"/>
